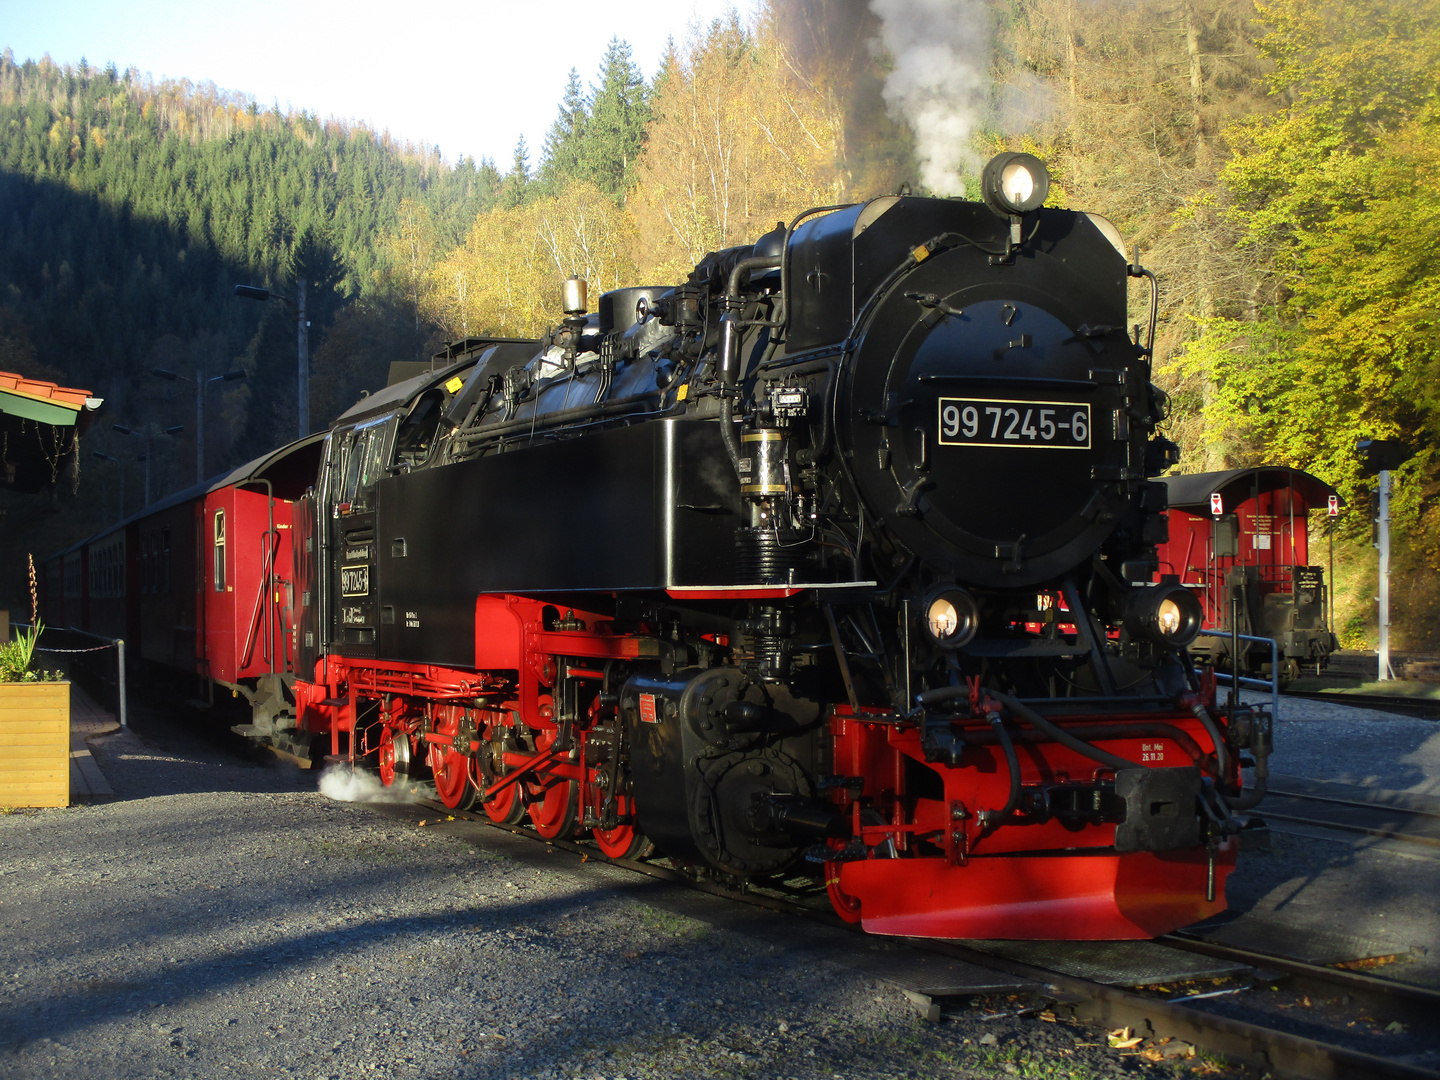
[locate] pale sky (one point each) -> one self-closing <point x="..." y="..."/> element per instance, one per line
<point x="470" y="78"/>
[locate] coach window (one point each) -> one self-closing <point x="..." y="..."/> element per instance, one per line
<point x="219" y="550"/>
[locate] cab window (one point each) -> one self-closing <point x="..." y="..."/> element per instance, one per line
<point x="363" y="463"/>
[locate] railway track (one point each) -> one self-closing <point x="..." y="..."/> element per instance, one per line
<point x="1249" y="1043"/>
<point x="1389" y="815"/>
<point x="1422" y="708"/>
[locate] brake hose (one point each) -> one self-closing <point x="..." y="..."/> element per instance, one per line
<point x="991" y="818"/>
<point x="1063" y="737"/>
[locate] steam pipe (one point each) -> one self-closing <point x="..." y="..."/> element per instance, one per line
<point x="1222" y="756"/>
<point x="943" y="693"/>
<point x="614" y="407"/>
<point x="729" y="331"/>
<point x="1261" y="745"/>
<point x="729" y="361"/>
<point x="1250" y="800"/>
<point x="1136" y="270"/>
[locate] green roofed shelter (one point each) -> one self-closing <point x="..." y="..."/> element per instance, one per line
<point x="40" y="425"/>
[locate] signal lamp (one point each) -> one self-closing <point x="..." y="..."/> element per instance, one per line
<point x="1015" y="183"/>
<point x="951" y="617"/>
<point x="1165" y="614"/>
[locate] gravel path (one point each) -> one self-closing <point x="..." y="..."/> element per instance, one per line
<point x="222" y="918"/>
<point x="1336" y="885"/>
<point x="1353" y="745"/>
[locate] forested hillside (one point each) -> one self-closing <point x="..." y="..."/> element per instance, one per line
<point x="130" y="209"/>
<point x="1275" y="164"/>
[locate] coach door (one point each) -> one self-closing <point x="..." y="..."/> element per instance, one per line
<point x="358" y="458"/>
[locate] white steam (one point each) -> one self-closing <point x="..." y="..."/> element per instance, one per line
<point x="344" y="784"/>
<point x="941" y="82"/>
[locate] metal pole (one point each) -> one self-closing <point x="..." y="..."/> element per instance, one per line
<point x="199" y="425"/>
<point x="1235" y="650"/>
<point x="1290" y="493"/>
<point x="120" y="646"/>
<point x="1330" y="581"/>
<point x="1384" y="545"/>
<point x="302" y="335"/>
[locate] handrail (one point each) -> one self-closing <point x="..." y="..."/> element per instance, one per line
<point x="1237" y="680"/>
<point x="118" y="643"/>
<point x="271" y="540"/>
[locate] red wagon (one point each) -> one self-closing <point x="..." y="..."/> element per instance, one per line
<point x="1241" y="540"/>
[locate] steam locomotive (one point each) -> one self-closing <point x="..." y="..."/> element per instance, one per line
<point x="838" y="558"/>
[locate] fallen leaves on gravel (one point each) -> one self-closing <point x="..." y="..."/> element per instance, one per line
<point x="1367" y="962"/>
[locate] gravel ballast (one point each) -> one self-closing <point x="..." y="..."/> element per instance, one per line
<point x="223" y="918"/>
<point x="1355" y="745"/>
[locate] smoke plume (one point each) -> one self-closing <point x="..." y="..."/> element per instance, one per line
<point x="940" y="83"/>
<point x="344" y="784"/>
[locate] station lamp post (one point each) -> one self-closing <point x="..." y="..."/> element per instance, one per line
<point x="1380" y="457"/>
<point x="200" y="383"/>
<point x="302" y="340"/>
<point x="149" y="436"/>
<point x="117" y="461"/>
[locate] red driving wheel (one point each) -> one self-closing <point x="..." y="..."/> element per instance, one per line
<point x="623" y="841"/>
<point x="507" y="806"/>
<point x="554" y="803"/>
<point x="845" y="905"/>
<point x="394" y="755"/>
<point x="450" y="767"/>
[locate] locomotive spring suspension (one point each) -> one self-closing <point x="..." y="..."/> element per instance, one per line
<point x="765" y="636"/>
<point x="768" y="556"/>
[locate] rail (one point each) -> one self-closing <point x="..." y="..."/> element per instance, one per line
<point x="118" y="644"/>
<point x="1251" y="1044"/>
<point x="1236" y="680"/>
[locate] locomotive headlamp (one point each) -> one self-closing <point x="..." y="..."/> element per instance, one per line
<point x="951" y="617"/>
<point x="1165" y="614"/>
<point x="1015" y="183"/>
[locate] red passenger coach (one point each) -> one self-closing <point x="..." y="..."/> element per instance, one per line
<point x="245" y="602"/>
<point x="1242" y="537"/>
<point x="199" y="583"/>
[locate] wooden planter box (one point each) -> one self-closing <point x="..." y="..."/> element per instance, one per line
<point x="35" y="744"/>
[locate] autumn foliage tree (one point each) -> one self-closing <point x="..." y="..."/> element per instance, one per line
<point x="738" y="141"/>
<point x="505" y="279"/>
<point x="1336" y="194"/>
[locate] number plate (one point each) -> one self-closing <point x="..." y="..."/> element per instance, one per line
<point x="1058" y="425"/>
<point x="355" y="581"/>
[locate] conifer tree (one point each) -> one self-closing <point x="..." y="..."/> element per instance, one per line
<point x="618" y="114"/>
<point x="560" y="162"/>
<point x="517" y="181"/>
